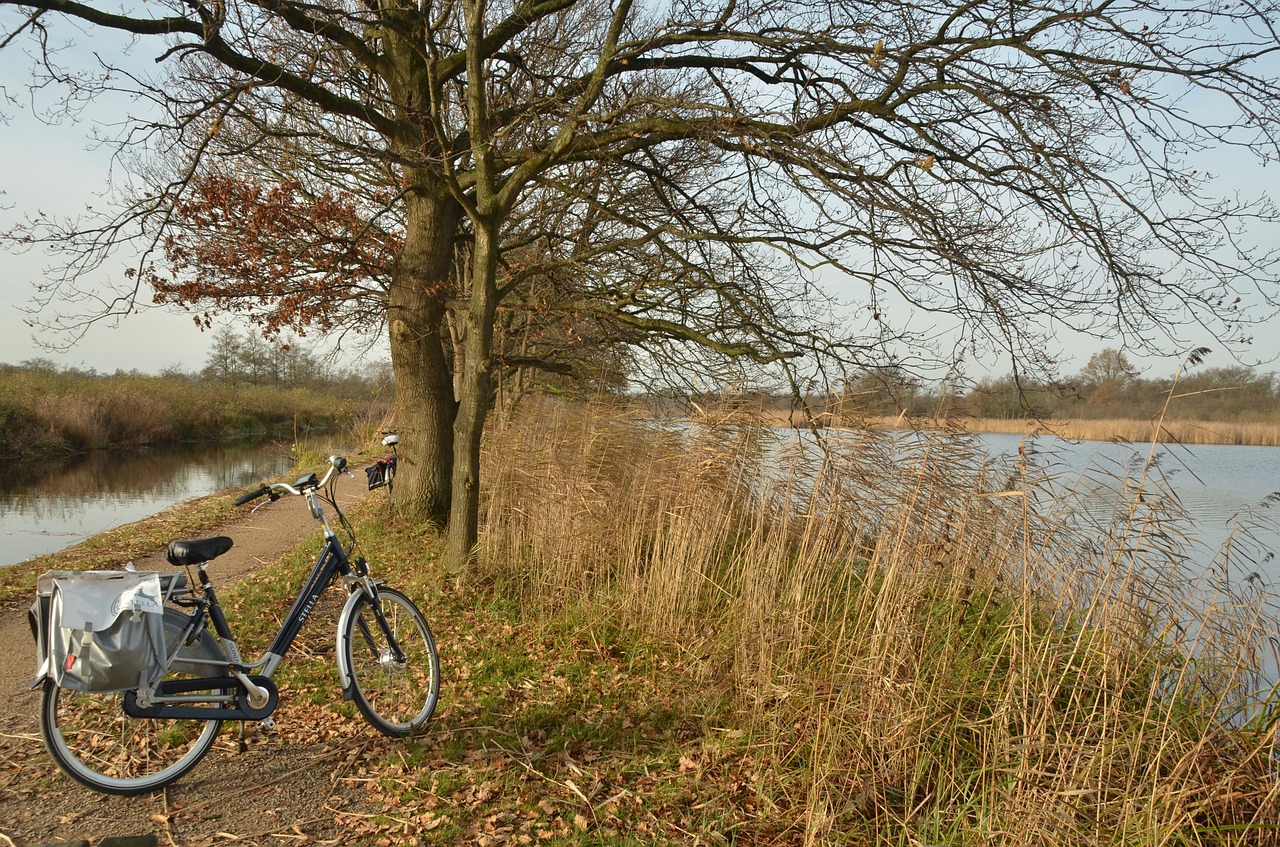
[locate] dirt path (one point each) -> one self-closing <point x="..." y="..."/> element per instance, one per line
<point x="277" y="792"/>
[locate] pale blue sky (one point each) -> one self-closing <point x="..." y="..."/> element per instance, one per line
<point x="56" y="170"/>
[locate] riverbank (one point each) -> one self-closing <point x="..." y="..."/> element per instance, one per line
<point x="1134" y="430"/>
<point x="45" y="412"/>
<point x="111" y="549"/>
<point x="886" y="646"/>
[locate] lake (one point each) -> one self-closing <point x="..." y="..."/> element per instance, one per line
<point x="1223" y="488"/>
<point x="50" y="505"/>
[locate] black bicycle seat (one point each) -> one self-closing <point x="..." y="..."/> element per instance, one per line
<point x="197" y="551"/>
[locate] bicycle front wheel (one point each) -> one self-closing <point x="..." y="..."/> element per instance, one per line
<point x="394" y="666"/>
<point x="97" y="744"/>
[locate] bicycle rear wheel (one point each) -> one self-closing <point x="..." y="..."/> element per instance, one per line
<point x="397" y="693"/>
<point x="97" y="744"/>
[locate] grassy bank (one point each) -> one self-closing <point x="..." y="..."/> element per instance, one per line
<point x="705" y="637"/>
<point x="45" y="412"/>
<point x="914" y="652"/>
<point x="702" y="637"/>
<point x="111" y="549"/>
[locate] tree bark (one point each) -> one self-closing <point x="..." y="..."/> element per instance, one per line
<point x="474" y="401"/>
<point x="425" y="404"/>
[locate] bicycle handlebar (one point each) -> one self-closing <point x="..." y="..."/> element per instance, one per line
<point x="336" y="463"/>
<point x="253" y="495"/>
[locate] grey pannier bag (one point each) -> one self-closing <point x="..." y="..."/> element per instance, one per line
<point x="100" y="631"/>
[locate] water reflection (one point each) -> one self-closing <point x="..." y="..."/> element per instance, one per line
<point x="51" y="505"/>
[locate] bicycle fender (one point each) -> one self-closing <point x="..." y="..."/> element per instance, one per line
<point x="42" y="673"/>
<point x="345" y="677"/>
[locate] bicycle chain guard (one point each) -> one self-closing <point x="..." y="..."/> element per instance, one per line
<point x="184" y="711"/>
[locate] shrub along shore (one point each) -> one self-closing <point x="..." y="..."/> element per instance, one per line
<point x="47" y="412"/>
<point x="705" y="636"/>
<point x="1137" y="431"/>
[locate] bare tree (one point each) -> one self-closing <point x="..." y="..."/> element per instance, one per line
<point x="1107" y="366"/>
<point x="1004" y="164"/>
<point x="1015" y="167"/>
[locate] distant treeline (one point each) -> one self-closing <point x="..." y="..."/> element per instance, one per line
<point x="1107" y="388"/>
<point x="267" y="390"/>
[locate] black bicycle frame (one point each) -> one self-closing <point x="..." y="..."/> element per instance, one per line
<point x="331" y="563"/>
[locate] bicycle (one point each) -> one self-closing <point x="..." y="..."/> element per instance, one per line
<point x="142" y="740"/>
<point x="382" y="473"/>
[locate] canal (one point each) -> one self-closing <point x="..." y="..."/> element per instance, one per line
<point x="47" y="506"/>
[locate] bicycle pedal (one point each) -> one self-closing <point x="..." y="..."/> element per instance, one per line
<point x="268" y="723"/>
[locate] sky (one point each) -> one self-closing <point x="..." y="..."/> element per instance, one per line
<point x="56" y="169"/>
<point x="60" y="170"/>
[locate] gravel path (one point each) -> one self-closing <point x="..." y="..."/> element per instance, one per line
<point x="278" y="792"/>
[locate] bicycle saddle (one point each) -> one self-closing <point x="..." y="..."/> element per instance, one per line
<point x="197" y="551"/>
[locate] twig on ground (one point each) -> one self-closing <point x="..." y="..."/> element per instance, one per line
<point x="257" y="786"/>
<point x="168" y="817"/>
<point x="276" y="832"/>
<point x="340" y="773"/>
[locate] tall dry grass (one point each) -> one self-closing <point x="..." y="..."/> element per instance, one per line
<point x="924" y="648"/>
<point x="1135" y="430"/>
<point x="1138" y="431"/>
<point x="51" y="413"/>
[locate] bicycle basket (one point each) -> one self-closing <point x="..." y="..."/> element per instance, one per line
<point x="381" y="472"/>
<point x="100" y="631"/>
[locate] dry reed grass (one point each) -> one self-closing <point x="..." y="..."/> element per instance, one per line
<point x="924" y="648"/>
<point x="1134" y="430"/>
<point x="1139" y="431"/>
<point x="50" y="413"/>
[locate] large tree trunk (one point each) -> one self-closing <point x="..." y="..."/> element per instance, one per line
<point x="425" y="404"/>
<point x="473" y="400"/>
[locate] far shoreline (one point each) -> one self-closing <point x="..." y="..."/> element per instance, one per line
<point x="1255" y="434"/>
<point x="1132" y="430"/>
